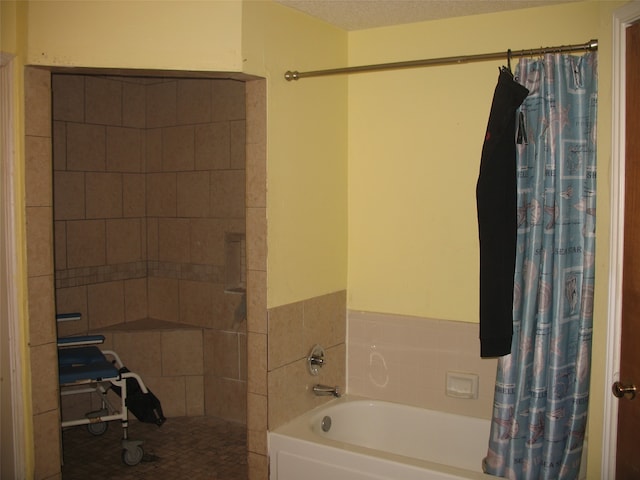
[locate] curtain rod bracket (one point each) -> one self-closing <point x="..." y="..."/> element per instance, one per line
<point x="289" y="75"/>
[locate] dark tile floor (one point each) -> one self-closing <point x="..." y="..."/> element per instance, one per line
<point x="191" y="448"/>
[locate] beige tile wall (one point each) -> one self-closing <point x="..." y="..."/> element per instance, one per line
<point x="149" y="180"/>
<point x="40" y="253"/>
<point x="293" y="331"/>
<point x="39" y="232"/>
<point x="99" y="184"/>
<point x="406" y="359"/>
<point x="256" y="265"/>
<point x="279" y="341"/>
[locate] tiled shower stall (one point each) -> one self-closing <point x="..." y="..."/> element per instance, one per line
<point x="149" y="230"/>
<point x="113" y="290"/>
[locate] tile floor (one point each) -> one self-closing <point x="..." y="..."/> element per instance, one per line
<point x="191" y="448"/>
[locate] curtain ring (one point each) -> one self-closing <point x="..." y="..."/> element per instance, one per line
<point x="509" y="60"/>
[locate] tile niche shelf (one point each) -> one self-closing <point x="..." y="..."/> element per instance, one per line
<point x="235" y="281"/>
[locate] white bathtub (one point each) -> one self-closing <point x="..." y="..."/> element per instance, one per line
<point x="375" y="440"/>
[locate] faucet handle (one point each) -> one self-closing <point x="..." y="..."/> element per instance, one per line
<point x="315" y="359"/>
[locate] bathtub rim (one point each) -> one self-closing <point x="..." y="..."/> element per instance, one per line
<point x="295" y="431"/>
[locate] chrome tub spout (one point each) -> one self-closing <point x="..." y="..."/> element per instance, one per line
<point x="325" y="391"/>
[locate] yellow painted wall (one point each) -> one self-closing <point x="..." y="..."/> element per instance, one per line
<point x="307" y="150"/>
<point x="166" y="34"/>
<point x="415" y="139"/>
<point x="307" y="122"/>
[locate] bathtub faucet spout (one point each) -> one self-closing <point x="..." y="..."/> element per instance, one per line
<point x="325" y="390"/>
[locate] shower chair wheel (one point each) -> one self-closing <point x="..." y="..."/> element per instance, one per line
<point x="98" y="428"/>
<point x="132" y="456"/>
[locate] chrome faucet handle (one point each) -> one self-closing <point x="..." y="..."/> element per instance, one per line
<point x="315" y="359"/>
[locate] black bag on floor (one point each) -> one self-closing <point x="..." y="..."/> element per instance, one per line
<point x="145" y="406"/>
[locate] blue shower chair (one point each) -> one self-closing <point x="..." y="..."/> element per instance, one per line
<point x="85" y="368"/>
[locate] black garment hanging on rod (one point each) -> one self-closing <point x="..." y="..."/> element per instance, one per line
<point x="496" y="196"/>
<point x="590" y="45"/>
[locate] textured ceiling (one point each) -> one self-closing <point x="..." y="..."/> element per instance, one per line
<point x="361" y="14"/>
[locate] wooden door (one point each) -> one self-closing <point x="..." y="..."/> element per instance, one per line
<point x="628" y="450"/>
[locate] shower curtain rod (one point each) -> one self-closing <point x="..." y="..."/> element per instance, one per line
<point x="590" y="45"/>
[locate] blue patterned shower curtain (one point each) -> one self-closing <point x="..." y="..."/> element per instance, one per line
<point x="542" y="387"/>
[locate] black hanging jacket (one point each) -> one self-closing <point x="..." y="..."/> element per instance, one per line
<point x="496" y="203"/>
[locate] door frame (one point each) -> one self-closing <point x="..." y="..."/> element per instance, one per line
<point x="622" y="18"/>
<point x="9" y="311"/>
